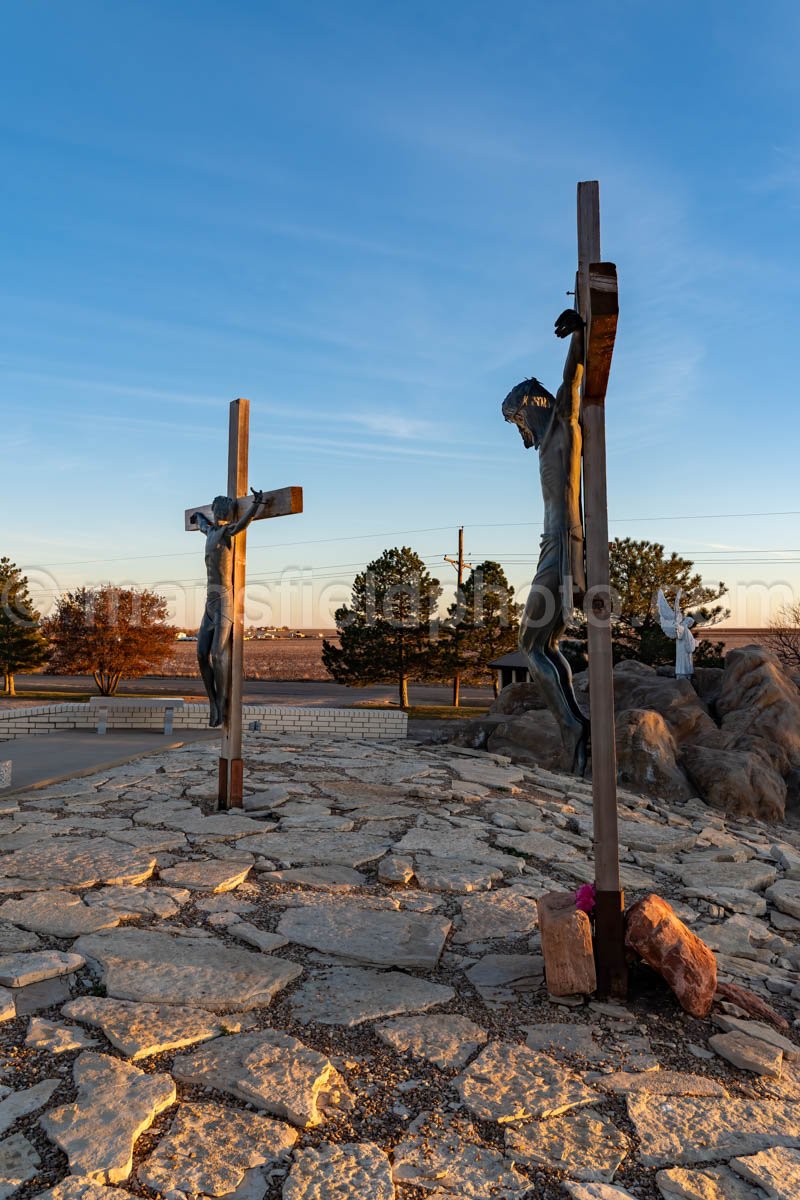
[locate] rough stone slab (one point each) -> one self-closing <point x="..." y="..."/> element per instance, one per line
<point x="80" y="862"/>
<point x="752" y="876"/>
<point x="57" y="1039"/>
<point x="777" y="1171"/>
<point x="444" y="1039"/>
<point x="115" y="1104"/>
<point x="19" y="1163"/>
<point x="20" y="1104"/>
<point x="154" y="967"/>
<point x="452" y="875"/>
<point x="539" y="845"/>
<point x="351" y="1171"/>
<point x="508" y="1083"/>
<point x="381" y="938"/>
<point x="682" y="1130"/>
<point x="785" y="895"/>
<point x="657" y="839"/>
<point x="747" y="1053"/>
<point x="757" y="1029"/>
<point x="129" y="901"/>
<point x="208" y="875"/>
<point x="444" y="1159"/>
<point x="596" y="1191"/>
<point x="712" y="1183"/>
<point x="18" y="970"/>
<point x="57" y="914"/>
<point x="449" y="842"/>
<point x="501" y="914"/>
<point x="13" y="940"/>
<point x="270" y="1070"/>
<point x="262" y="939"/>
<point x="393" y="869"/>
<point x="76" y="1187"/>
<point x="350" y="995"/>
<point x="210" y="1148"/>
<point x="494" y="974"/>
<point x="300" y="848"/>
<point x="583" y="1144"/>
<point x="659" y="1083"/>
<point x="480" y="770"/>
<point x="563" y="1038"/>
<point x="8" y="1008"/>
<point x="139" y="1030"/>
<point x="218" y="827"/>
<point x="327" y="879"/>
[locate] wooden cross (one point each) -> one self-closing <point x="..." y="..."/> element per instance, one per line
<point x="281" y="503"/>
<point x="597" y="301"/>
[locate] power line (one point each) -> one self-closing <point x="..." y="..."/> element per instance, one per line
<point x="427" y="529"/>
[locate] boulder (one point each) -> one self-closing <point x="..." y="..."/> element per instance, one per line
<point x="740" y="782"/>
<point x="707" y="682"/>
<point x="657" y="935"/>
<point x="534" y="738"/>
<point x="638" y="686"/>
<point x="475" y="734"/>
<point x="517" y="698"/>
<point x="646" y="756"/>
<point x="759" y="707"/>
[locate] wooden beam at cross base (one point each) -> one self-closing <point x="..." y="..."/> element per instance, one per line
<point x="597" y="301"/>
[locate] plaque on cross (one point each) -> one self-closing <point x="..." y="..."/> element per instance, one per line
<point x="220" y="643"/>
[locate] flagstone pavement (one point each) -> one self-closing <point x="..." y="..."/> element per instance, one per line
<point x="338" y="993"/>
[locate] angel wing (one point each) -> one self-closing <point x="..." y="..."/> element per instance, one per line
<point x="666" y="615"/>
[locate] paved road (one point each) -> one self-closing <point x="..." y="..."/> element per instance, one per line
<point x="48" y="758"/>
<point x="313" y="693"/>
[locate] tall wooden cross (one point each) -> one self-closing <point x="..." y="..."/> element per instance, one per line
<point x="280" y="503"/>
<point x="597" y="301"/>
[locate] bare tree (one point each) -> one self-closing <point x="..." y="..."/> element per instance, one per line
<point x="783" y="637"/>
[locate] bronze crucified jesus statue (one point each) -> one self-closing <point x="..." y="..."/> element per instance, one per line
<point x="551" y="424"/>
<point x="216" y="629"/>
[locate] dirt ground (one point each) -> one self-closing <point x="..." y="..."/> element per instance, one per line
<point x="283" y="658"/>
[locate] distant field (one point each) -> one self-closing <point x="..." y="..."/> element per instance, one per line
<point x="283" y="658"/>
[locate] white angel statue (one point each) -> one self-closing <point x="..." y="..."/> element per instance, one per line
<point x="675" y="625"/>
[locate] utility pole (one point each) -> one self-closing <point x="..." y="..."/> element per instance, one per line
<point x="459" y="565"/>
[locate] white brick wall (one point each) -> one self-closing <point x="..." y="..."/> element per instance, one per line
<point x="333" y="722"/>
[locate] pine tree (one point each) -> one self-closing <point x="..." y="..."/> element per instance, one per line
<point x="637" y="571"/>
<point x="482" y="624"/>
<point x="109" y="632"/>
<point x="22" y="644"/>
<point x="386" y="633"/>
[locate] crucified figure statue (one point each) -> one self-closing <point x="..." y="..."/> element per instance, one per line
<point x="551" y="424"/>
<point x="216" y="628"/>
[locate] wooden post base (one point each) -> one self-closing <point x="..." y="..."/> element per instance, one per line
<point x="230" y="793"/>
<point x="609" y="945"/>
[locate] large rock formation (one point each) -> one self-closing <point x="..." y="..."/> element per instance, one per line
<point x="730" y="736"/>
<point x="646" y="755"/>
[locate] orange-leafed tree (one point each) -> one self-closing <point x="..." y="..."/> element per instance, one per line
<point x="110" y="633"/>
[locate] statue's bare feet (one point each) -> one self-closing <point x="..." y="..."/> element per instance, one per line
<point x="215" y="719"/>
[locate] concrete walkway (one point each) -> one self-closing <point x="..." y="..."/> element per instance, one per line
<point x="50" y="758"/>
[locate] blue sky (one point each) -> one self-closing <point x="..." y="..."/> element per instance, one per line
<point x="362" y="216"/>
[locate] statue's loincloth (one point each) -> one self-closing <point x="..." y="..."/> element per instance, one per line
<point x="561" y="566"/>
<point x="219" y="606"/>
